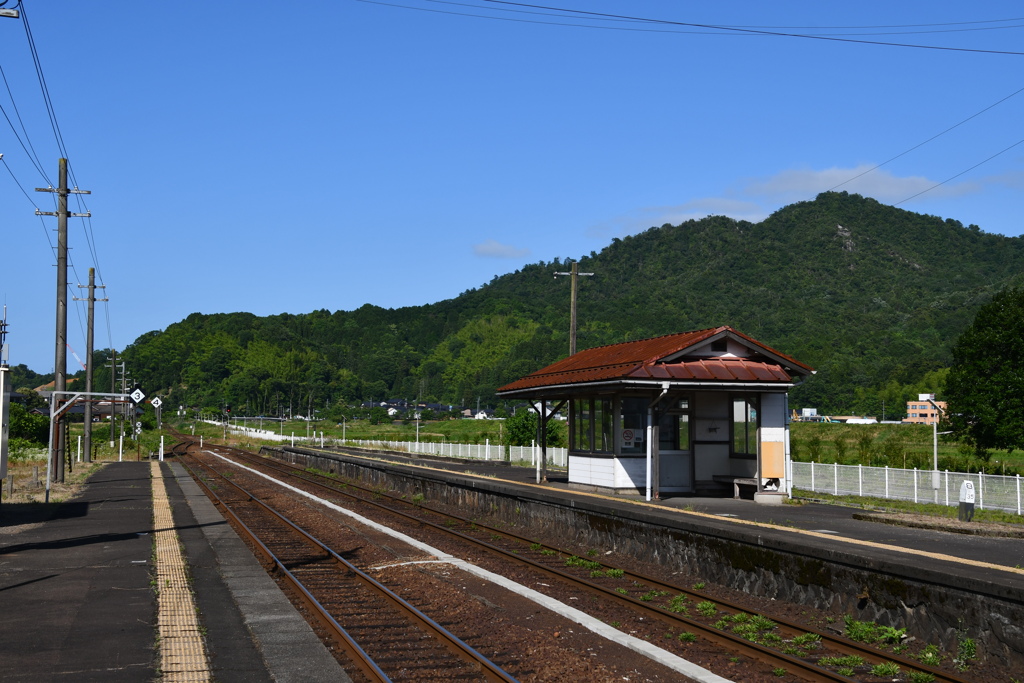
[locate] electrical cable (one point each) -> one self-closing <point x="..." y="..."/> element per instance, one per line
<point x="42" y="84"/>
<point x="713" y="29"/>
<point x="921" y="144"/>
<point x="954" y="177"/>
<point x="33" y="157"/>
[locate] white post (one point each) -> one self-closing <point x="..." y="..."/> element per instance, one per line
<point x="947" y="487"/>
<point x="200" y="441"/>
<point x="78" y="456"/>
<point x="1018" y="494"/>
<point x="887" y="481"/>
<point x="487" y="449"/>
<point x="835" y="478"/>
<point x="161" y="448"/>
<point x="650" y="453"/>
<point x="981" y="494"/>
<point x="293" y="439"/>
<point x="915" y="485"/>
<point x="812" y="476"/>
<point x="860" y="480"/>
<point x="120" y="447"/>
<point x="536" y="460"/>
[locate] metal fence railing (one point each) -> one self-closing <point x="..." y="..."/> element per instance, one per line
<point x="557" y="457"/>
<point x="992" y="491"/>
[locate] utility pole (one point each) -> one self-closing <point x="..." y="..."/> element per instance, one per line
<point x="113" y="387"/>
<point x="87" y="428"/>
<point x="60" y="370"/>
<point x="575" y="275"/>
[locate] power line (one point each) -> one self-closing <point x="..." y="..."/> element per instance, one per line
<point x="713" y="29"/>
<point x="921" y="144"/>
<point x="1003" y="151"/>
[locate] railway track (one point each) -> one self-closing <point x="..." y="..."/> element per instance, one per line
<point x="383" y="635"/>
<point x="811" y="654"/>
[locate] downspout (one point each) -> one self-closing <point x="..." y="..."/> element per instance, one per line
<point x="650" y="433"/>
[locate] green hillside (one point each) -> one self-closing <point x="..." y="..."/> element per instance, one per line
<point x="871" y="296"/>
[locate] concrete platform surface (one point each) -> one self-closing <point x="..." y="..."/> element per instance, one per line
<point x="78" y="604"/>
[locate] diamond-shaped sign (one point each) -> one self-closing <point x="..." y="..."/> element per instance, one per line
<point x="156" y="402"/>
<point x="137" y="395"/>
<point x="138" y="427"/>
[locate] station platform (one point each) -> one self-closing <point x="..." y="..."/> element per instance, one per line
<point x="80" y="601"/>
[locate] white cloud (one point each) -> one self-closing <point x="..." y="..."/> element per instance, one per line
<point x="795" y="185"/>
<point x="753" y="199"/>
<point x="495" y="249"/>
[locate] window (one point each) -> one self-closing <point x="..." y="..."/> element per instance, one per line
<point x="591" y="425"/>
<point x="744" y="426"/>
<point x="720" y="345"/>
<point x="674" y="432"/>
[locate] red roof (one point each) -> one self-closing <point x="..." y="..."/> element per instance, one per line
<point x="664" y="359"/>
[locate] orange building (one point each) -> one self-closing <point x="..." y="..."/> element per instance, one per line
<point x="922" y="411"/>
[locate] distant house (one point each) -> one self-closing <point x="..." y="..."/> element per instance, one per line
<point x="922" y="411"/>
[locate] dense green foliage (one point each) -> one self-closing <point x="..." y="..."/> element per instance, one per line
<point x="985" y="388"/>
<point x="870" y="295"/>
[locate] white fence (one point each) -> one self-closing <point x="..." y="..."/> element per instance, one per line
<point x="557" y="457"/>
<point x="992" y="491"/>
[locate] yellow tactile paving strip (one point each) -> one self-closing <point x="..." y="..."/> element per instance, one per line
<point x="182" y="646"/>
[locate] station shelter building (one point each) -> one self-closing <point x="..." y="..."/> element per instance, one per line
<point x="686" y="413"/>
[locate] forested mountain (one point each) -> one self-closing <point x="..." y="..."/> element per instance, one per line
<point x="872" y="296"/>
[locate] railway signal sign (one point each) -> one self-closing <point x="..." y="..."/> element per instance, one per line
<point x="156" y="402"/>
<point x="137" y="395"/>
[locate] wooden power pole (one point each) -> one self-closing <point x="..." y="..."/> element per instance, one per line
<point x="575" y="274"/>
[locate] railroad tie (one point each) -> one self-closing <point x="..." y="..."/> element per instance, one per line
<point x="182" y="646"/>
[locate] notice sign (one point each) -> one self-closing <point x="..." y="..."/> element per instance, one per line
<point x="627" y="437"/>
<point x="966" y="512"/>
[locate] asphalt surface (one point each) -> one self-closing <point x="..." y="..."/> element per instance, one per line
<point x="78" y="604"/>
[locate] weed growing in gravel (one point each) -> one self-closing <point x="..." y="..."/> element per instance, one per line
<point x="678" y="604"/>
<point x="966" y="650"/>
<point x="622" y="590"/>
<point x="547" y="551"/>
<point x="699" y="586"/>
<point x="845" y="671"/>
<point x="921" y="677"/>
<point x="615" y="624"/>
<point x="872" y="633"/>
<point x="930" y="655"/>
<point x="849" y="661"/>
<point x="707" y="608"/>
<point x="687" y="637"/>
<point x="573" y="561"/>
<point x="535" y="546"/>
<point x="591" y="553"/>
<point x="650" y="595"/>
<point x="495" y="537"/>
<point x="780" y="672"/>
<point x="886" y="670"/>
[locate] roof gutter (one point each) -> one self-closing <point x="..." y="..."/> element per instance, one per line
<point x="651" y="383"/>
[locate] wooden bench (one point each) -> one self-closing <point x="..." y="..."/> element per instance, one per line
<point x="736" y="482"/>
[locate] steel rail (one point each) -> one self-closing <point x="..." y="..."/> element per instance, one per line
<point x="488" y="669"/>
<point x="829" y="640"/>
<point x="356" y="654"/>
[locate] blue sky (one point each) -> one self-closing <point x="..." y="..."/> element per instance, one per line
<point x="321" y="155"/>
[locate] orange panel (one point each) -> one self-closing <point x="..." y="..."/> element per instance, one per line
<point x="773" y="459"/>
